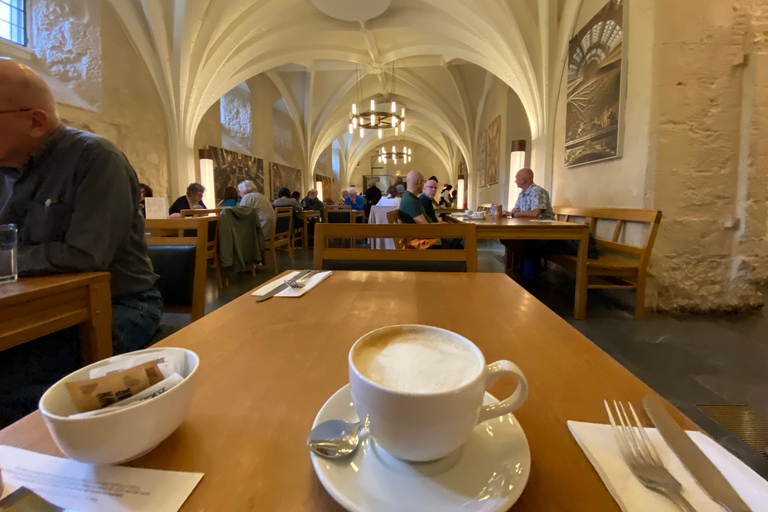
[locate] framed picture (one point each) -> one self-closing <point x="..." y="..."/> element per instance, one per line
<point x="284" y="176"/>
<point x="492" y="152"/>
<point x="231" y="168"/>
<point x="594" y="110"/>
<point x="482" y="158"/>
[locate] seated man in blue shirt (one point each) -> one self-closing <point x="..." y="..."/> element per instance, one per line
<point x="354" y="200"/>
<point x="75" y="200"/>
<point x="532" y="203"/>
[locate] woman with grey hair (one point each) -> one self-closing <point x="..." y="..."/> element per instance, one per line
<point x="191" y="201"/>
<point x="251" y="197"/>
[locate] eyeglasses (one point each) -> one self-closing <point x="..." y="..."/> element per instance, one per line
<point x="14" y="111"/>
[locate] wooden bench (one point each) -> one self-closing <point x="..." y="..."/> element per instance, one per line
<point x="384" y="257"/>
<point x="620" y="264"/>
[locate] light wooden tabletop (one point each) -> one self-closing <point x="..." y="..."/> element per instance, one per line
<point x="29" y="288"/>
<point x="267" y="368"/>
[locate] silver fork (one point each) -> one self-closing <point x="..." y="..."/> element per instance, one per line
<point x="301" y="282"/>
<point x="642" y="458"/>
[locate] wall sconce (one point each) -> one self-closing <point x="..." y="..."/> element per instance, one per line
<point x="516" y="162"/>
<point x="319" y="188"/>
<point x="206" y="175"/>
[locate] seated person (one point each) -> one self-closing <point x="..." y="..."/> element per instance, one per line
<point x="75" y="200"/>
<point x="311" y="202"/>
<point x="230" y="197"/>
<point x="284" y="199"/>
<point x="391" y="198"/>
<point x="249" y="196"/>
<point x="400" y="190"/>
<point x="344" y="195"/>
<point x="296" y="195"/>
<point x="411" y="209"/>
<point x="532" y="203"/>
<point x="145" y="191"/>
<point x="191" y="201"/>
<point x="427" y="198"/>
<point x="354" y="200"/>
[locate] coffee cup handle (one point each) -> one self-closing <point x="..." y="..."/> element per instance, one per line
<point x="512" y="402"/>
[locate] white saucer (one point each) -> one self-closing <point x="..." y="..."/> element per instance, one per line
<point x="487" y="474"/>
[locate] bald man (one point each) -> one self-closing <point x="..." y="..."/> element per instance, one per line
<point x="533" y="201"/>
<point x="411" y="210"/>
<point x="75" y="200"/>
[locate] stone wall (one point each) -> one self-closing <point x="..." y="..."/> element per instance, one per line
<point x="711" y="180"/>
<point x="99" y="81"/>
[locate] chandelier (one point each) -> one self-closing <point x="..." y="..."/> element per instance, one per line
<point x="404" y="155"/>
<point x="380" y="116"/>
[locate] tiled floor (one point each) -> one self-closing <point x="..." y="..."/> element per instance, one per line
<point x="688" y="360"/>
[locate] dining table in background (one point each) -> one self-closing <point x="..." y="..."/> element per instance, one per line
<point x="269" y="371"/>
<point x="508" y="228"/>
<point x="36" y="306"/>
<point x="305" y="216"/>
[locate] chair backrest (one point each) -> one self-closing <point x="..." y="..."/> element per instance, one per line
<point x="283" y="225"/>
<point x="338" y="207"/>
<point x="393" y="216"/>
<point x="200" y="212"/>
<point x="338" y="215"/>
<point x="485" y="207"/>
<point x="171" y="244"/>
<point x="383" y="259"/>
<point x="621" y="218"/>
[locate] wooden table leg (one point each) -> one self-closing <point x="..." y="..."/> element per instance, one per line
<point x="580" y="300"/>
<point x="96" y="333"/>
<point x="305" y="235"/>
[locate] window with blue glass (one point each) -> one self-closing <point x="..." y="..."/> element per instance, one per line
<point x="13" y="21"/>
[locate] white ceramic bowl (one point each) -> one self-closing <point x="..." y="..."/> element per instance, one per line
<point x="125" y="433"/>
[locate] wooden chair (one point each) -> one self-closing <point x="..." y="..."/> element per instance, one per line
<point x="393" y="216"/>
<point x="282" y="233"/>
<point x="620" y="265"/>
<point x="180" y="261"/>
<point x="212" y="250"/>
<point x="382" y="259"/>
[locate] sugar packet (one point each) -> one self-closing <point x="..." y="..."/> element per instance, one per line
<point x="93" y="394"/>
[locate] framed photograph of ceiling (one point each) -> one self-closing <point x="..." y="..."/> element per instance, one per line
<point x="284" y="176"/>
<point x="231" y="168"/>
<point x="494" y="132"/>
<point x="482" y="158"/>
<point x="594" y="118"/>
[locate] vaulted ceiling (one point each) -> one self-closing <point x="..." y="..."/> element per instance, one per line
<point x="197" y="50"/>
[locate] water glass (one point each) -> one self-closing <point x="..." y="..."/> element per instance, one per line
<point x="8" y="245"/>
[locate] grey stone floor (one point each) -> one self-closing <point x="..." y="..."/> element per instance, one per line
<point x="690" y="360"/>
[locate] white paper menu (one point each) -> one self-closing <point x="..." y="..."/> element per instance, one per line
<point x="84" y="487"/>
<point x="156" y="207"/>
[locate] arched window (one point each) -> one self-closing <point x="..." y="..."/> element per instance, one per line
<point x="13" y="21"/>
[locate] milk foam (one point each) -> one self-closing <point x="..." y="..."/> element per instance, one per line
<point x="417" y="362"/>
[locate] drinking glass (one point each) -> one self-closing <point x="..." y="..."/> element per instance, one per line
<point x="8" y="245"/>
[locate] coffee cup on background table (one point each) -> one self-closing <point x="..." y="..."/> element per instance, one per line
<point x="420" y="389"/>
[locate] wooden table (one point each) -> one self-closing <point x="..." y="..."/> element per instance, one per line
<point x="306" y="215"/>
<point x="269" y="371"/>
<point x="508" y="228"/>
<point x="35" y="306"/>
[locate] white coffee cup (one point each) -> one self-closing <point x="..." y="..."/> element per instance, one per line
<point x="418" y="411"/>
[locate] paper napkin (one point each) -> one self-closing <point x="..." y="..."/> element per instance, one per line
<point x="599" y="444"/>
<point x="293" y="292"/>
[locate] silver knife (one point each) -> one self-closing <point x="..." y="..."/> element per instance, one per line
<point x="274" y="291"/>
<point x="698" y="464"/>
